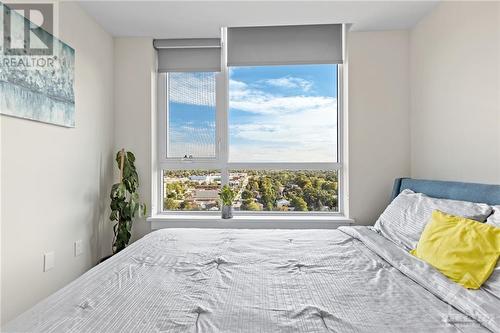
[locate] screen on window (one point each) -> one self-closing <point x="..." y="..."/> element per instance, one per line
<point x="191" y="115"/>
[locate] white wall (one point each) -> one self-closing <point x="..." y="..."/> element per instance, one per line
<point x="55" y="180"/>
<point x="455" y="93"/>
<point x="379" y="137"/>
<point x="134" y="63"/>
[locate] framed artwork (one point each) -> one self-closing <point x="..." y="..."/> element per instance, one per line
<point x="37" y="70"/>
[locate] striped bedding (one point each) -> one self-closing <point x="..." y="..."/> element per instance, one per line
<point x="190" y="280"/>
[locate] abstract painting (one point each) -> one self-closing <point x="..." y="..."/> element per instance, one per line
<point x="33" y="86"/>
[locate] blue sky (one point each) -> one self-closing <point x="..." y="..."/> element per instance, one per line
<point x="277" y="113"/>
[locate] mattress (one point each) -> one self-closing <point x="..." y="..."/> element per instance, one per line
<point x="192" y="280"/>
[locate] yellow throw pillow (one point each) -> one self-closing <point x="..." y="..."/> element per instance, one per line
<point x="464" y="250"/>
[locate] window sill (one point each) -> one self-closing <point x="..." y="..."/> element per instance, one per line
<point x="248" y="222"/>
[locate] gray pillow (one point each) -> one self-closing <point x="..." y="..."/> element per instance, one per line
<point x="406" y="216"/>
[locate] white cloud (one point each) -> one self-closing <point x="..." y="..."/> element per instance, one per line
<point x="192" y="88"/>
<point x="283" y="128"/>
<point x="290" y="82"/>
<point x="277" y="154"/>
<point x="248" y="99"/>
<point x="192" y="140"/>
<point x="308" y="136"/>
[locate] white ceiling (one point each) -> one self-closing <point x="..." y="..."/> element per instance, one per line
<point x="190" y="19"/>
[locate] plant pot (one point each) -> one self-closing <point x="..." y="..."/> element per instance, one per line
<point x="227" y="212"/>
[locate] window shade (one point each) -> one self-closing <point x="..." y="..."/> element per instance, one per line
<point x="188" y="55"/>
<point x="285" y="45"/>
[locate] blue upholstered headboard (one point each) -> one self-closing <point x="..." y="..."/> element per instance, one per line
<point x="489" y="194"/>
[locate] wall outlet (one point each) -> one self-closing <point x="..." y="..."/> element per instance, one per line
<point x="78" y="247"/>
<point x="49" y="261"/>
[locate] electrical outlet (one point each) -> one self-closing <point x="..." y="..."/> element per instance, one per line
<point x="49" y="261"/>
<point x="78" y="247"/>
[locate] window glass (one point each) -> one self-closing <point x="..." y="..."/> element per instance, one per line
<point x="285" y="190"/>
<point x="191" y="190"/>
<point x="283" y="113"/>
<point x="191" y="115"/>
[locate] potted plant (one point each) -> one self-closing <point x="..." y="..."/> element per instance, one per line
<point x="227" y="196"/>
<point x="125" y="204"/>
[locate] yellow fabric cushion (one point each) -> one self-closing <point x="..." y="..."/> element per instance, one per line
<point x="464" y="250"/>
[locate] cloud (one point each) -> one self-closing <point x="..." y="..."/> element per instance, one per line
<point x="290" y="82"/>
<point x="279" y="154"/>
<point x="282" y="128"/>
<point x="306" y="136"/>
<point x="279" y="128"/>
<point x="192" y="139"/>
<point x="192" y="88"/>
<point x="249" y="99"/>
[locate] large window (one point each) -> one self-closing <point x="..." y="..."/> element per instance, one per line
<point x="271" y="131"/>
<point x="281" y="133"/>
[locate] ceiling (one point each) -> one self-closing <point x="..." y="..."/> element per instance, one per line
<point x="190" y="19"/>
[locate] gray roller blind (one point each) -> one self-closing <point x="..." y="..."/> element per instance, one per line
<point x="275" y="45"/>
<point x="188" y="55"/>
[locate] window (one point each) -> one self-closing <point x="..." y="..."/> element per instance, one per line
<point x="282" y="138"/>
<point x="191" y="190"/>
<point x="283" y="114"/>
<point x="271" y="131"/>
<point x="191" y="115"/>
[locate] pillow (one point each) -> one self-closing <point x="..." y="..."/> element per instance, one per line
<point x="494" y="218"/>
<point x="406" y="216"/>
<point x="464" y="250"/>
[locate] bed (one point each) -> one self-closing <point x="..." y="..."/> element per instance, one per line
<point x="229" y="280"/>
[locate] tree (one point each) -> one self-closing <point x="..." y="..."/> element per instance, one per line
<point x="329" y="186"/>
<point x="299" y="204"/>
<point x="186" y="205"/>
<point x="246" y="194"/>
<point x="268" y="194"/>
<point x="250" y="204"/>
<point x="318" y="182"/>
<point x="303" y="181"/>
<point x="311" y="197"/>
<point x="170" y="204"/>
<point x="175" y="190"/>
<point x="253" y="185"/>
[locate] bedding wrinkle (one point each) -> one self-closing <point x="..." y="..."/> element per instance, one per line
<point x="284" y="281"/>
<point x="86" y="305"/>
<point x="295" y="266"/>
<point x="315" y="312"/>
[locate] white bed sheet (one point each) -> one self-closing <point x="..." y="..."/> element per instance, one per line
<point x="199" y="280"/>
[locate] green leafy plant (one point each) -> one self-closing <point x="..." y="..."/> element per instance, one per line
<point x="227" y="195"/>
<point x="125" y="204"/>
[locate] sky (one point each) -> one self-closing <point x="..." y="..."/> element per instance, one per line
<point x="276" y="114"/>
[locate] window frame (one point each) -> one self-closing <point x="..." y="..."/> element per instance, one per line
<point x="221" y="160"/>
